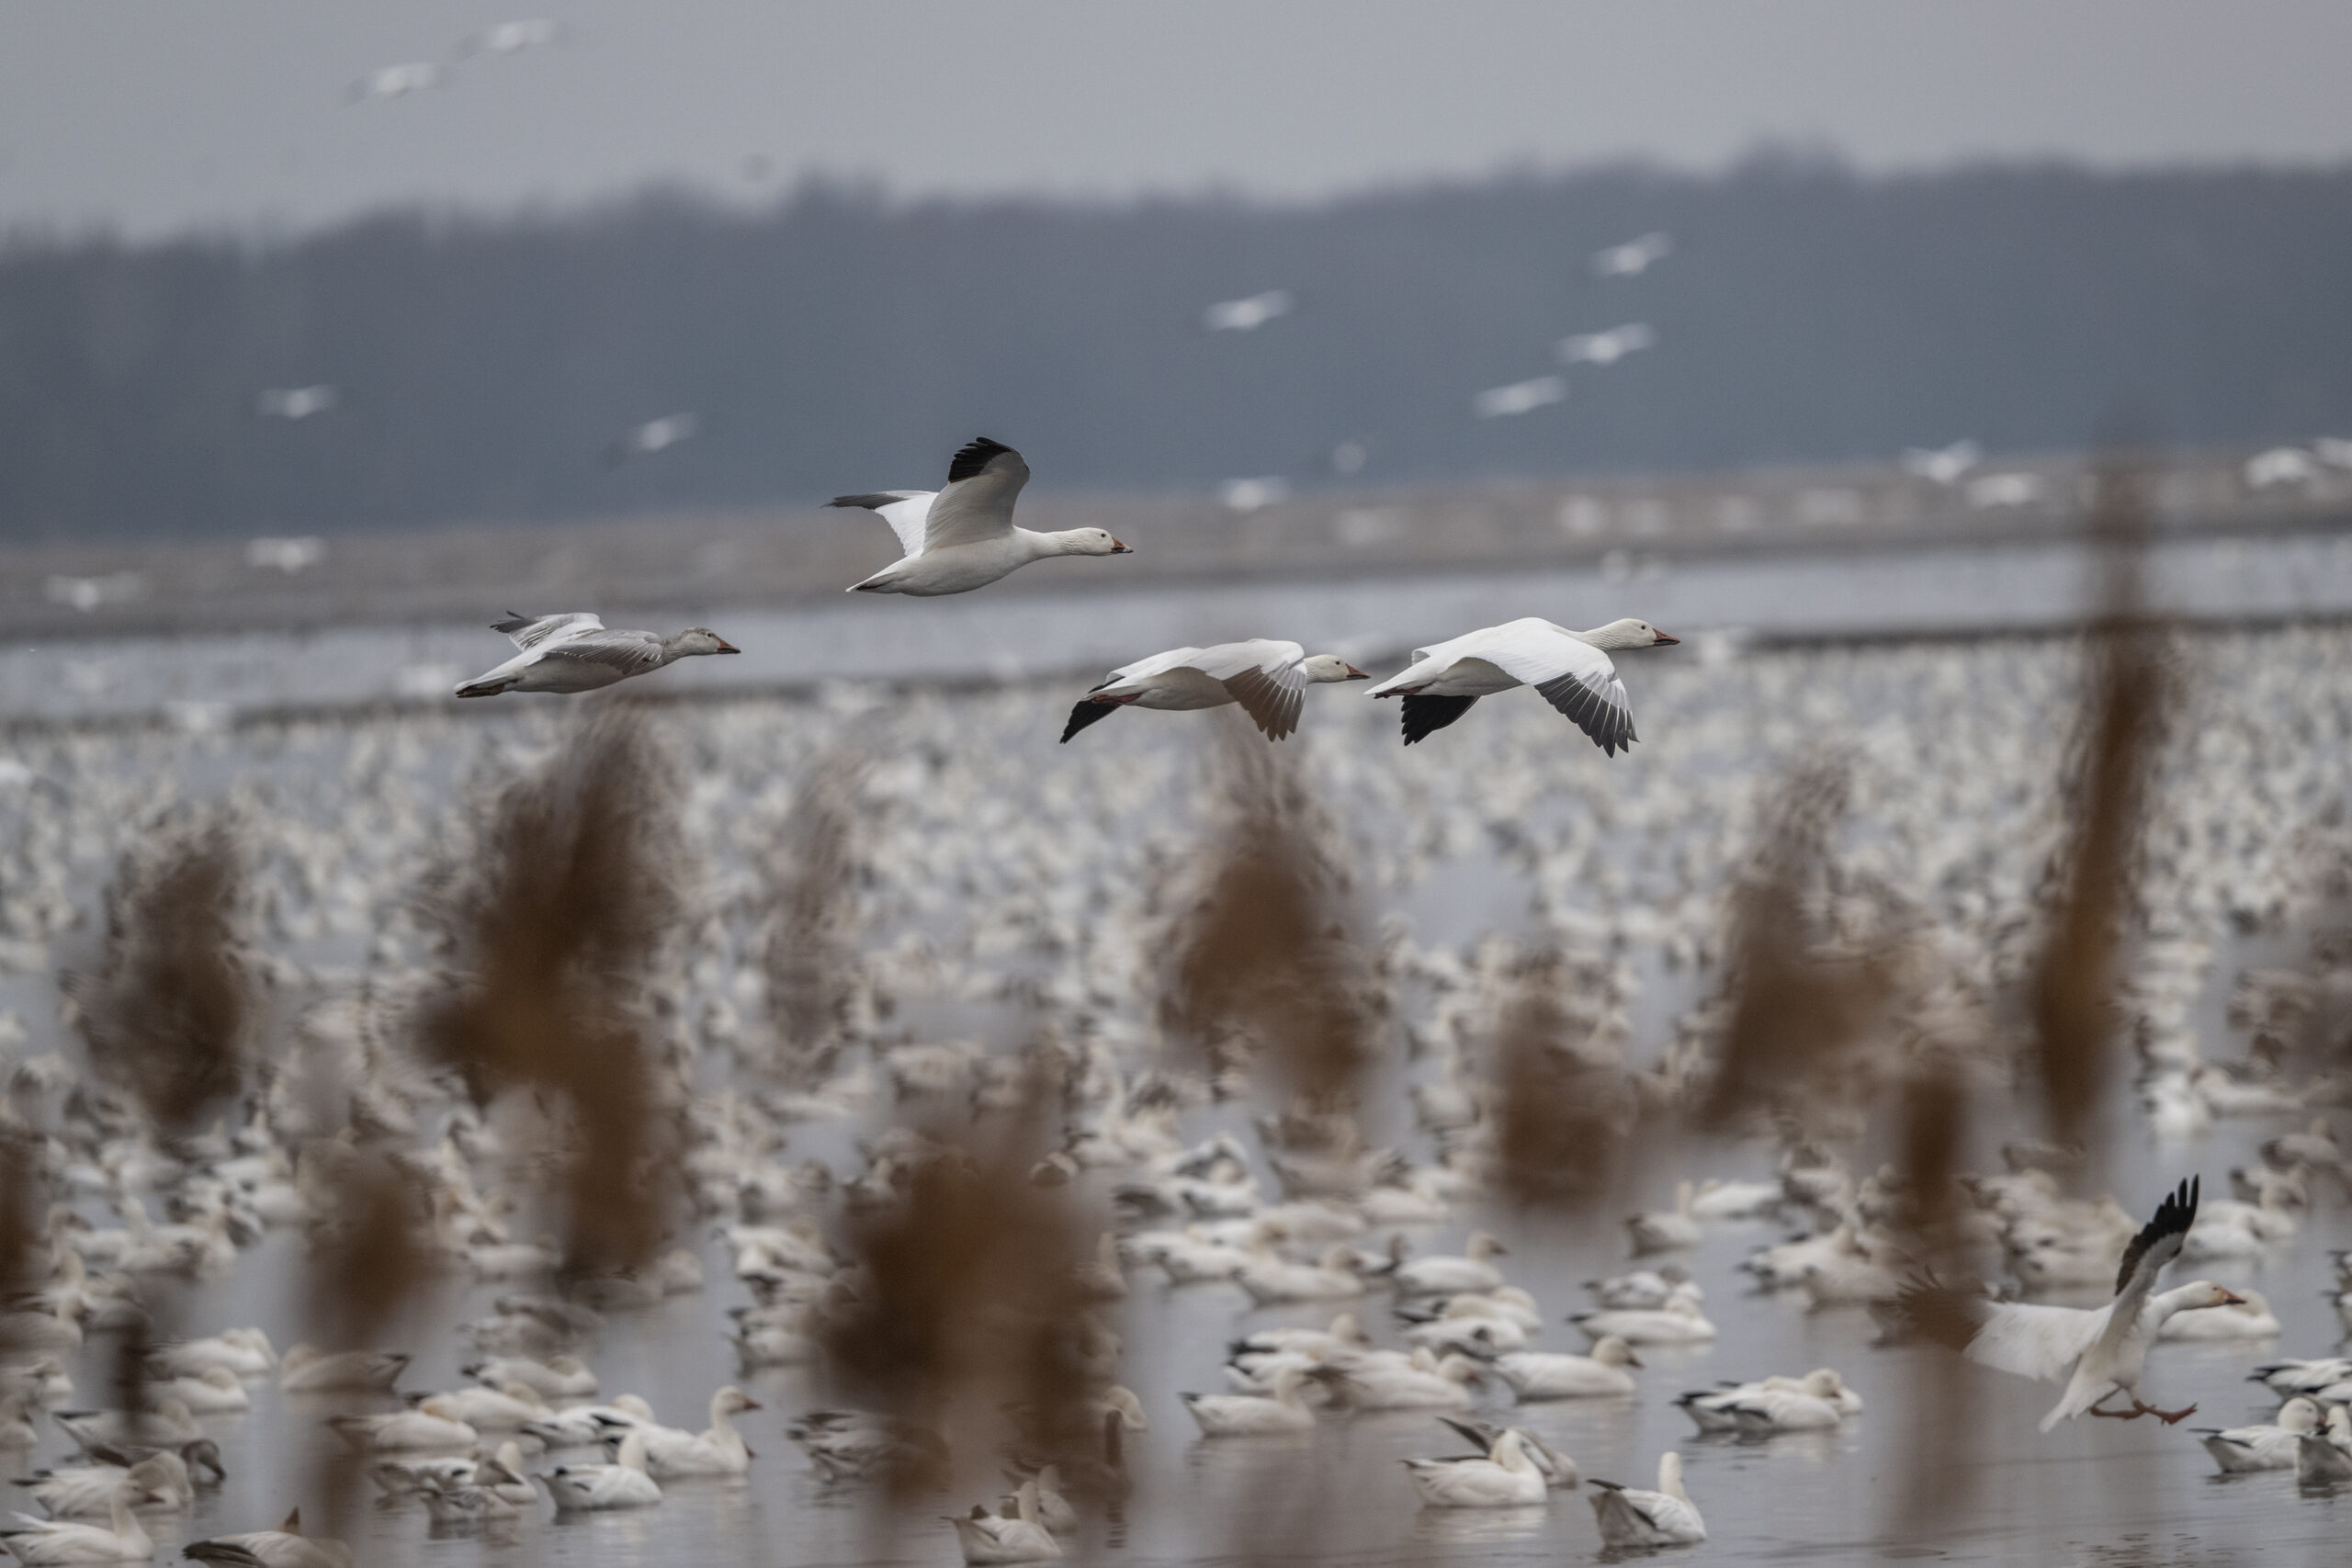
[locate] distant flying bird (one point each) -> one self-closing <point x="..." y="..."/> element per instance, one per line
<point x="1633" y="258"/>
<point x="576" y="652"/>
<point x="2281" y="465"/>
<point x="289" y="556"/>
<point x="1248" y="315"/>
<point x="87" y="593"/>
<point x="2333" y="450"/>
<point x="1520" y="397"/>
<point x="1267" y="677"/>
<point x="513" y="38"/>
<point x="653" y="436"/>
<point x="395" y="81"/>
<point x="1349" y="457"/>
<point x="295" y="402"/>
<point x="962" y="537"/>
<point x="1942" y="465"/>
<point x="1570" y="669"/>
<point x="1609" y="347"/>
<point x="1251" y="495"/>
<point x="1989" y="491"/>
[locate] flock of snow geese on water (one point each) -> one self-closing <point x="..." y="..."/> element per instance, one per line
<point x="962" y="537"/>
<point x="982" y="880"/>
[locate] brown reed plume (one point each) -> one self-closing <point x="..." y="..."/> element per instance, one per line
<point x="1562" y="1110"/>
<point x="971" y="1300"/>
<point x="2128" y="691"/>
<point x="168" y="1013"/>
<point x="809" y="956"/>
<point x="1800" y="1004"/>
<point x="1264" y="965"/>
<point x="23" y="1192"/>
<point x="553" y="924"/>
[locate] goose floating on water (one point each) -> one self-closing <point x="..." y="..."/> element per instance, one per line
<point x="1570" y="669"/>
<point x="577" y="652"/>
<point x="1631" y="1518"/>
<point x="962" y="537"/>
<point x="1267" y="677"/>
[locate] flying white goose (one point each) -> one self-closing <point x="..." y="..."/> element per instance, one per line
<point x="1570" y="668"/>
<point x="1503" y="1477"/>
<point x="1267" y="677"/>
<point x="1664" y="1517"/>
<point x="2107" y="1348"/>
<point x="50" y="1543"/>
<point x="577" y="652"/>
<point x="285" y="1546"/>
<point x="962" y="537"/>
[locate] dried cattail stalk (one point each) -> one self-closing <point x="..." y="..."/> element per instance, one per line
<point x="23" y="1193"/>
<point x="2125" y="701"/>
<point x="1264" y="957"/>
<point x="1561" y="1111"/>
<point x="809" y="957"/>
<point x="553" y="924"/>
<point x="972" y="1298"/>
<point x="168" y="1012"/>
<point x="1798" y="1004"/>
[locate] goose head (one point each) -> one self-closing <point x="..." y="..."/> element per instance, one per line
<point x="1088" y="542"/>
<point x="730" y="1401"/>
<point x="2299" y="1413"/>
<point x="1331" y="666"/>
<point x="1627" y="633"/>
<point x="1481" y="1247"/>
<point x="698" y="640"/>
<point x="1613" y="1351"/>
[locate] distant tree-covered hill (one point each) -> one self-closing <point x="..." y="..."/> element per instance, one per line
<point x="847" y="342"/>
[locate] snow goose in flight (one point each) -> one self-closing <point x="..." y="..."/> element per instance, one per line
<point x="1267" y="677"/>
<point x="1667" y="1517"/>
<point x="577" y="652"/>
<point x="962" y="537"/>
<point x="1570" y="668"/>
<point x="2105" y="1349"/>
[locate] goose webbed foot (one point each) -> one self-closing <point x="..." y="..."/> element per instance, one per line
<point x="2131" y="1415"/>
<point x="2169" y="1417"/>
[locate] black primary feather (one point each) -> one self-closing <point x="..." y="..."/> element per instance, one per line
<point x="2174" y="1216"/>
<point x="1425" y="715"/>
<point x="873" y="501"/>
<point x="514" y="622"/>
<point x="1088" y="711"/>
<point x="975" y="457"/>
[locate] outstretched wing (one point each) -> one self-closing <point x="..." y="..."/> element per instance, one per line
<point x="907" y="512"/>
<point x="528" y="632"/>
<point x="1573" y="676"/>
<point x="977" y="505"/>
<point x="1264" y="677"/>
<point x="2159" y="1241"/>
<point x="1424" y="716"/>
<point x="2038" y="1342"/>
<point x="627" y="652"/>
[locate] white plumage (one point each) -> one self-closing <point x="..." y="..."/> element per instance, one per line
<point x="962" y="537"/>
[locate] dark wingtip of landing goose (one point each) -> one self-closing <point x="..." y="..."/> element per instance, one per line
<point x="1088" y="711"/>
<point x="976" y="455"/>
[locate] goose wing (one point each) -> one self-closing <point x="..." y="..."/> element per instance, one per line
<point x="527" y="632"/>
<point x="1156" y="664"/>
<point x="2159" y="1241"/>
<point x="2038" y="1342"/>
<point x="631" y="653"/>
<point x="907" y="511"/>
<point x="977" y="505"/>
<point x="1573" y="676"/>
<point x="1263" y="676"/>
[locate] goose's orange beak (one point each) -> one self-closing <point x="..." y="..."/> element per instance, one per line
<point x="2231" y="1299"/>
<point x="1665" y="641"/>
<point x="726" y="647"/>
<point x="1356" y="674"/>
<point x="1119" y="550"/>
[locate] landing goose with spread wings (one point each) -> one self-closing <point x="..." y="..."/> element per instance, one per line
<point x="962" y="537"/>
<point x="2104" y="1349"/>
<point x="577" y="652"/>
<point x="1571" y="670"/>
<point x="1266" y="677"/>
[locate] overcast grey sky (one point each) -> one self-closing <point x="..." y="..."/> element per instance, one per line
<point x="153" y="114"/>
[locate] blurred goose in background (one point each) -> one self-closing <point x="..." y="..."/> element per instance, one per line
<point x="720" y="1450"/>
<point x="2249" y="1317"/>
<point x="1534" y="1375"/>
<point x="2275" y="1444"/>
<point x="167" y="1424"/>
<point x="1018" y="1537"/>
<point x="432" y="1425"/>
<point x="1570" y="669"/>
<point x="246" y="1352"/>
<point x="1630" y="1517"/>
<point x="2326" y="1457"/>
<point x="558" y="1377"/>
<point x="595" y="1488"/>
<point x="962" y="537"/>
<point x="1678" y="1322"/>
<point x="1671" y="1231"/>
<point x="576" y="652"/>
<point x="285" y="1546"/>
<point x="309" y="1369"/>
<point x="1442" y="1276"/>
<point x="1503" y="1477"/>
<point x="1267" y="678"/>
<point x="159" y="1481"/>
<point x="584" y="1424"/>
<point x="1247" y="314"/>
<point x="1243" y="1414"/>
<point x="50" y="1543"/>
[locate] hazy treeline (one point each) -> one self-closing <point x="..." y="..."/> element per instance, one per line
<point x="843" y="341"/>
